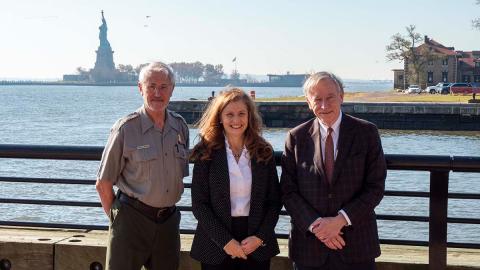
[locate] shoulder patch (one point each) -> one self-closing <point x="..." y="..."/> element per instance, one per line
<point x="120" y="122"/>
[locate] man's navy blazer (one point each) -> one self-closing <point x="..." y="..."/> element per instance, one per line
<point x="357" y="187"/>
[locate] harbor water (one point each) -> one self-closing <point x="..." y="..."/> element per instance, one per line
<point x="73" y="115"/>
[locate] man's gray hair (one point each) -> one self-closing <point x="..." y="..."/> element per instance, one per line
<point x="315" y="78"/>
<point x="156" y="67"/>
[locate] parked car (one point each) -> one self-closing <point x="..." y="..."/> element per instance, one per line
<point x="436" y="89"/>
<point x="445" y="90"/>
<point x="432" y="89"/>
<point x="463" y="88"/>
<point x="413" y="89"/>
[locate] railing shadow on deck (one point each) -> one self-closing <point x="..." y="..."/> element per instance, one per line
<point x="438" y="166"/>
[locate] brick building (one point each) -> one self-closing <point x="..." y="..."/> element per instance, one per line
<point x="447" y="65"/>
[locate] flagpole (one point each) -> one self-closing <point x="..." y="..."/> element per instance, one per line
<point x="235" y="61"/>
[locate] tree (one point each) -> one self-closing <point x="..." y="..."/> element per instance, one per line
<point x="139" y="68"/>
<point x="125" y="68"/>
<point x="219" y="71"/>
<point x="180" y="71"/>
<point x="188" y="72"/>
<point x="213" y="73"/>
<point x="405" y="49"/>
<point x="476" y="22"/>
<point x="196" y="70"/>
<point x="82" y="71"/>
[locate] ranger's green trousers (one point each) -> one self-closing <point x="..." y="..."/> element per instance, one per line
<point x="135" y="241"/>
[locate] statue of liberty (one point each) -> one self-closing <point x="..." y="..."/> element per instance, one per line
<point x="104" y="70"/>
<point x="103" y="32"/>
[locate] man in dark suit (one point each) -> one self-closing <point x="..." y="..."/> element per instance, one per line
<point x="333" y="177"/>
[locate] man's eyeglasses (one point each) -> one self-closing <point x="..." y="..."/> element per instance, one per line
<point x="160" y="87"/>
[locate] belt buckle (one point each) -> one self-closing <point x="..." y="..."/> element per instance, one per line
<point x="161" y="211"/>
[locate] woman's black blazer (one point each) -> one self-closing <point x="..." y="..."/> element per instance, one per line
<point x="211" y="207"/>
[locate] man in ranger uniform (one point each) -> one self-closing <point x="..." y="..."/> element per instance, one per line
<point x="146" y="158"/>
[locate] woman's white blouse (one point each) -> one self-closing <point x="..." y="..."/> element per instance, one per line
<point x="240" y="182"/>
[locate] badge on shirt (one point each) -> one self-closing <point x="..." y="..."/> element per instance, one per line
<point x="143" y="146"/>
<point x="180" y="141"/>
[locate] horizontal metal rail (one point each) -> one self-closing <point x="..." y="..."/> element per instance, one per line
<point x="397" y="193"/>
<point x="394" y="161"/>
<point x="189" y="209"/>
<point x="438" y="166"/>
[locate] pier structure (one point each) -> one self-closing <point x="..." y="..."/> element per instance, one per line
<point x="80" y="246"/>
<point x="386" y="115"/>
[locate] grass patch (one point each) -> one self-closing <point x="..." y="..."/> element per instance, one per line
<point x="389" y="96"/>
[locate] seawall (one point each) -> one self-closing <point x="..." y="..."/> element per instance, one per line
<point x="48" y="249"/>
<point x="395" y="115"/>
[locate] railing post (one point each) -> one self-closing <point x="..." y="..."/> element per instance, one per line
<point x="5" y="264"/>
<point x="437" y="259"/>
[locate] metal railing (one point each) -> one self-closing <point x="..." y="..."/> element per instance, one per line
<point x="438" y="166"/>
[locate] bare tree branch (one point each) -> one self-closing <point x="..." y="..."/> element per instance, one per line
<point x="406" y="49"/>
<point x="476" y="22"/>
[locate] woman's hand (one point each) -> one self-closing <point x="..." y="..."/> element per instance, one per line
<point x="234" y="249"/>
<point x="250" y="244"/>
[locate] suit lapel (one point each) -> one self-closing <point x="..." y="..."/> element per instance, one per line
<point x="257" y="174"/>
<point x="222" y="169"/>
<point x="345" y="139"/>
<point x="317" y="147"/>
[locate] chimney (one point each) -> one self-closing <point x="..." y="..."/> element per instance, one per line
<point x="426" y="39"/>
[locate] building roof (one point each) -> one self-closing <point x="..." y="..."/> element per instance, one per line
<point x="470" y="62"/>
<point x="437" y="47"/>
<point x="439" y="50"/>
<point x="467" y="58"/>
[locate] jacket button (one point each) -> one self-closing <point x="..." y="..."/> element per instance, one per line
<point x="330" y="195"/>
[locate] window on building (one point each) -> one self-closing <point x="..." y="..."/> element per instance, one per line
<point x="477" y="64"/>
<point x="466" y="78"/>
<point x="430" y="77"/>
<point x="445" y="62"/>
<point x="430" y="62"/>
<point x="445" y="76"/>
<point x="476" y="78"/>
<point x="400" y="77"/>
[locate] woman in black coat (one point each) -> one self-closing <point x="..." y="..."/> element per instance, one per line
<point x="235" y="189"/>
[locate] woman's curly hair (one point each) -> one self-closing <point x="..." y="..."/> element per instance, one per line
<point x="211" y="131"/>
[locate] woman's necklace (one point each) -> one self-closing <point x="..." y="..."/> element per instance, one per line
<point x="237" y="154"/>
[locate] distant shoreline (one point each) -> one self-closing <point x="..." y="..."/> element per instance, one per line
<point x="239" y="83"/>
<point x="211" y="84"/>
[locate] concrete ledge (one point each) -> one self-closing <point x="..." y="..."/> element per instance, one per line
<point x="80" y="251"/>
<point x="28" y="249"/>
<point x="45" y="249"/>
<point x="393" y="115"/>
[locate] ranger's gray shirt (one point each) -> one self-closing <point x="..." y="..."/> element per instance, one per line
<point x="145" y="162"/>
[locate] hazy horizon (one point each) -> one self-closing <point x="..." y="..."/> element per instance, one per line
<point x="258" y="77"/>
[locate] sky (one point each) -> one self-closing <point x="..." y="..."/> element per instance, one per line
<point x="46" y="39"/>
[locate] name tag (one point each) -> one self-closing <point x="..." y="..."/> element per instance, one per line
<point x="143" y="146"/>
